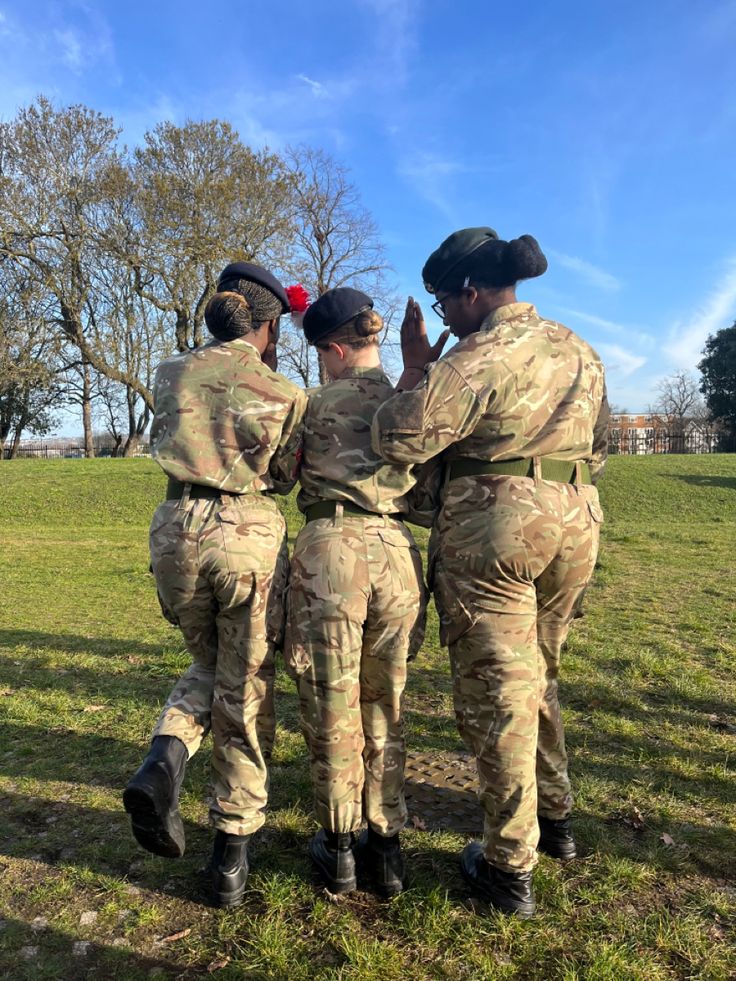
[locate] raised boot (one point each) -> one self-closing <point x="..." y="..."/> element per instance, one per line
<point x="333" y="857"/>
<point x="510" y="892"/>
<point x="556" y="838"/>
<point x="229" y="868"/>
<point x="381" y="860"/>
<point x="152" y="798"/>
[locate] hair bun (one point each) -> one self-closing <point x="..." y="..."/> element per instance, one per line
<point x="368" y="323"/>
<point x="524" y="259"/>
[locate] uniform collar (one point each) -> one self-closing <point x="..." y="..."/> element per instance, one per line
<point x="361" y="372"/>
<point x="509" y="311"/>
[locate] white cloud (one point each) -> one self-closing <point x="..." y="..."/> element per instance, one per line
<point x="586" y="270"/>
<point x="718" y="310"/>
<point x="611" y="327"/>
<point x="619" y="361"/>
<point x="318" y="89"/>
<point x="70" y="47"/>
<point x="430" y="175"/>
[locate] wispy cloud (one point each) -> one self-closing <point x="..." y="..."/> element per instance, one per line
<point x="586" y="270"/>
<point x="70" y="48"/>
<point x="619" y="361"/>
<point x="718" y="310"/>
<point x="318" y="89"/>
<point x="429" y="175"/>
<point x="395" y="35"/>
<point x="610" y="326"/>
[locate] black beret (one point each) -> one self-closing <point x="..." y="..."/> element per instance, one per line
<point x="254" y="274"/>
<point x="333" y="309"/>
<point x="451" y="253"/>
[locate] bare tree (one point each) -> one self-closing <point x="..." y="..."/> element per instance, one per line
<point x="678" y="403"/>
<point x="29" y="384"/>
<point x="337" y="244"/>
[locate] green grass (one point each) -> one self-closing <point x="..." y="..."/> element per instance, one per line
<point x="648" y="692"/>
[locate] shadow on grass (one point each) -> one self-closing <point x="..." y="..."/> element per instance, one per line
<point x="697" y="480"/>
<point x="33" y="954"/>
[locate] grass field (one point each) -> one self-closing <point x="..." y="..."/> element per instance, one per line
<point x="649" y="698"/>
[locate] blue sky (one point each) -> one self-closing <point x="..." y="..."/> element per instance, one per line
<point x="607" y="130"/>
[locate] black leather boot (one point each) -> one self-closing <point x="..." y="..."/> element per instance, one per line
<point x="556" y="838"/>
<point x="332" y="854"/>
<point x="510" y="892"/>
<point x="152" y="798"/>
<point x="229" y="868"/>
<point x="381" y="860"/>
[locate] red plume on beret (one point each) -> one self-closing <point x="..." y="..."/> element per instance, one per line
<point x="298" y="298"/>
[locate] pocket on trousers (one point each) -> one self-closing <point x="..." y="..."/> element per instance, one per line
<point x="455" y="617"/>
<point x="251" y="539"/>
<point x="594" y="506"/>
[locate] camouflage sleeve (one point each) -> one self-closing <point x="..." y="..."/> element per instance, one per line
<point x="424" y="497"/>
<point x="415" y="426"/>
<point x="284" y="466"/>
<point x="600" y="440"/>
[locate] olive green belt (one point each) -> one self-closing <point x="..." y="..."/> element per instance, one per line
<point x="175" y="489"/>
<point x="328" y="509"/>
<point x="563" y="471"/>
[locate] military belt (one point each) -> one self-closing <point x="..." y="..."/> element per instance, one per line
<point x="328" y="509"/>
<point x="176" y="488"/>
<point x="562" y="471"/>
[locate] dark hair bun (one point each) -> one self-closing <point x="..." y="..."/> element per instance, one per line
<point x="523" y="259"/>
<point x="228" y="315"/>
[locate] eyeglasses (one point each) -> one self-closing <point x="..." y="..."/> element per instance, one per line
<point x="439" y="305"/>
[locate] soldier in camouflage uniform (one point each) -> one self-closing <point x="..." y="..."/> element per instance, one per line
<point x="356" y="602"/>
<point x="226" y="428"/>
<point x="517" y="413"/>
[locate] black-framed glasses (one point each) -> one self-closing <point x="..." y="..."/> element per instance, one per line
<point x="439" y="305"/>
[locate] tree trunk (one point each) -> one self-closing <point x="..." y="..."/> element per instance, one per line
<point x="16" y="442"/>
<point x="89" y="446"/>
<point x="323" y="376"/>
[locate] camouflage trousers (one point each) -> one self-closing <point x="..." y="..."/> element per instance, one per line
<point x="221" y="568"/>
<point x="356" y="612"/>
<point x="510" y="559"/>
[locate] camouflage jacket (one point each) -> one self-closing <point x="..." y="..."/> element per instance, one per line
<point x="338" y="463"/>
<point x="224" y="419"/>
<point x="517" y="388"/>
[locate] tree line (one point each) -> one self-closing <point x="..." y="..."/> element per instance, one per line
<point x="109" y="254"/>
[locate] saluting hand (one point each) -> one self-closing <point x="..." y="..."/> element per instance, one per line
<point x="415" y="347"/>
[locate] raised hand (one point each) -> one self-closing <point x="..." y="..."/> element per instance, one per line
<point x="415" y="347"/>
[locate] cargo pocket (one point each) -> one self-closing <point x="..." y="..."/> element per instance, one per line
<point x="594" y="505"/>
<point x="455" y="617"/>
<point x="251" y="538"/>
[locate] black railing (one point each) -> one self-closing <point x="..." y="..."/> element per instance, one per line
<point x="639" y="442"/>
<point x="66" y="450"/>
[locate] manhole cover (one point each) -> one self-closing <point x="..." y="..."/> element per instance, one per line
<point x="441" y="790"/>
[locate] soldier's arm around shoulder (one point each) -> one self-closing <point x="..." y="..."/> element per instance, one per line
<point x="414" y="426"/>
<point x="284" y="466"/>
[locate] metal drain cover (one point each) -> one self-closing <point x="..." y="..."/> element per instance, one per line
<point x="441" y="792"/>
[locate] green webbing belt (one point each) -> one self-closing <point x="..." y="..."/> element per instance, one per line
<point x="563" y="471"/>
<point x="328" y="509"/>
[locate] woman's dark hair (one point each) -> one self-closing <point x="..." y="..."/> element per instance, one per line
<point x="498" y="264"/>
<point x="240" y="309"/>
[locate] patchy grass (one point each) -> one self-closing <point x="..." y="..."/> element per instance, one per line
<point x="648" y="692"/>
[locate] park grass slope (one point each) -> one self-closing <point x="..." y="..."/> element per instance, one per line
<point x="649" y="699"/>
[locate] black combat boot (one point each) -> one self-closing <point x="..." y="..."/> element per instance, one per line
<point x="381" y="860"/>
<point x="229" y="868"/>
<point x="510" y="892"/>
<point x="332" y="854"/>
<point x="152" y="798"/>
<point x="556" y="838"/>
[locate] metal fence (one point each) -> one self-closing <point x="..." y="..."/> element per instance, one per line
<point x="56" y="449"/>
<point x="638" y="442"/>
